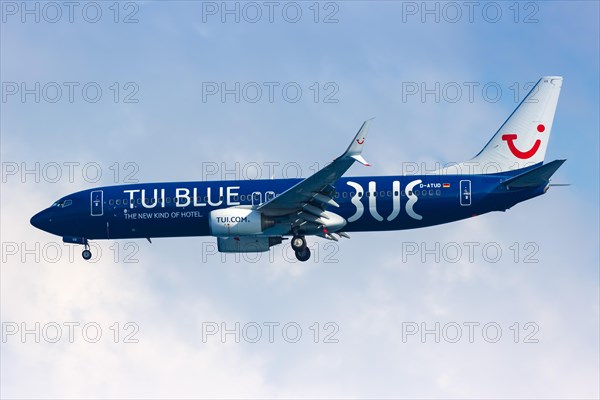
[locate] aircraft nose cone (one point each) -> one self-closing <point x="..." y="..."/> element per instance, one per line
<point x="39" y="220"/>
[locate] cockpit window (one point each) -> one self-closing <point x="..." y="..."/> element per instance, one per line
<point x="63" y="203"/>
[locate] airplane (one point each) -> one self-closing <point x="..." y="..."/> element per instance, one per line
<point x="254" y="215"/>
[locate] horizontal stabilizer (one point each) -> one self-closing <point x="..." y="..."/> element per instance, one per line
<point x="536" y="177"/>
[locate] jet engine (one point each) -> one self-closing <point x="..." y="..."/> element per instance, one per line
<point x="236" y="221"/>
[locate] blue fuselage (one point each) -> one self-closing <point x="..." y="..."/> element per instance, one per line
<point x="367" y="203"/>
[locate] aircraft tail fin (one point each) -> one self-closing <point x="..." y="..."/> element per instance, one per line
<point x="523" y="138"/>
<point x="534" y="178"/>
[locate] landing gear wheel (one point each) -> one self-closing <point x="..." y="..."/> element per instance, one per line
<point x="303" y="255"/>
<point x="298" y="243"/>
<point x="86" y="254"/>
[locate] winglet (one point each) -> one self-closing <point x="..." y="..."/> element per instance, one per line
<point x="361" y="160"/>
<point x="354" y="150"/>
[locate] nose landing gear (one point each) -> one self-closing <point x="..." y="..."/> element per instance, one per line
<point x="86" y="253"/>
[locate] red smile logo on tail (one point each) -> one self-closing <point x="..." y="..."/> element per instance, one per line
<point x="360" y="141"/>
<point x="523" y="155"/>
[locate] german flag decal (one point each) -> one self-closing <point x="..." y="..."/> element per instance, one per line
<point x="446" y="185"/>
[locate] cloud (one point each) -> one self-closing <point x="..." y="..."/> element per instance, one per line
<point x="361" y="294"/>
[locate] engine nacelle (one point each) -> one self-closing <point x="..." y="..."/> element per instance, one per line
<point x="246" y="244"/>
<point x="235" y="221"/>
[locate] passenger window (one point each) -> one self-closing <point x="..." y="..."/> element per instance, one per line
<point x="396" y="193"/>
<point x="139" y="200"/>
<point x="410" y="192"/>
<point x="382" y="193"/>
<point x="125" y="201"/>
<point x="118" y="202"/>
<point x="431" y="192"/>
<point x="111" y="202"/>
<point x="438" y="192"/>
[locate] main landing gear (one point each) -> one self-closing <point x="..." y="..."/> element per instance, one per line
<point x="299" y="246"/>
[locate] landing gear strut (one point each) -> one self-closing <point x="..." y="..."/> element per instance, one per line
<point x="86" y="253"/>
<point x="299" y="246"/>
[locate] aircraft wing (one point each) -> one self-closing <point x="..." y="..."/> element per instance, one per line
<point x="310" y="197"/>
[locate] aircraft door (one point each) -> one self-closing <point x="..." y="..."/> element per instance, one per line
<point x="97" y="203"/>
<point x="465" y="193"/>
